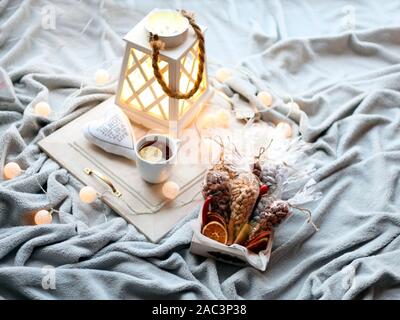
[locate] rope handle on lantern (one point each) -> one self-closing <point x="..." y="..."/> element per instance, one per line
<point x="157" y="45"/>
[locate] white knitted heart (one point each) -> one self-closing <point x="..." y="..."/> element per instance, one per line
<point x="113" y="133"/>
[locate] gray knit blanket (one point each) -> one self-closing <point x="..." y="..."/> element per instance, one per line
<point x="341" y="64"/>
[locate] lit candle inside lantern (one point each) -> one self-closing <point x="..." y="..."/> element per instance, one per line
<point x="102" y="77"/>
<point x="169" y="25"/>
<point x="166" y="23"/>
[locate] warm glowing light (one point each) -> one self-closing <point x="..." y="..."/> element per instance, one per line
<point x="170" y="189"/>
<point x="139" y="91"/>
<point x="284" y="129"/>
<point x="223" y="118"/>
<point x="42" y="217"/>
<point x="11" y="170"/>
<point x="210" y="151"/>
<point x="265" y="97"/>
<point x="42" y="109"/>
<point x="102" y="77"/>
<point x="223" y="74"/>
<point x="166" y="23"/>
<point x="88" y="194"/>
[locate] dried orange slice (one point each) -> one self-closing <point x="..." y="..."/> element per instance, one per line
<point x="213" y="216"/>
<point x="216" y="231"/>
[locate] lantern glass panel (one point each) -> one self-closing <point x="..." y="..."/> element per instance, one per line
<point x="139" y="93"/>
<point x="188" y="73"/>
<point x="140" y="90"/>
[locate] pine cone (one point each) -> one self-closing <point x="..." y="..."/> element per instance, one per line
<point x="218" y="187"/>
<point x="270" y="217"/>
<point x="257" y="170"/>
<point x="245" y="190"/>
<point x="264" y="202"/>
<point x="275" y="214"/>
<point x="270" y="175"/>
<point x="224" y="167"/>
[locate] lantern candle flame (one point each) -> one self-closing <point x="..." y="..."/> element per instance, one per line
<point x="169" y="25"/>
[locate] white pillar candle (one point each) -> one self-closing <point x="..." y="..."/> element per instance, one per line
<point x="42" y="109"/>
<point x="11" y="170"/>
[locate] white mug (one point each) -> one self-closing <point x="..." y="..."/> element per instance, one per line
<point x="156" y="172"/>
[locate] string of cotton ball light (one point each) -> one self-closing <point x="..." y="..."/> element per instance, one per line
<point x="223" y="74"/>
<point x="280" y="93"/>
<point x="101" y="78"/>
<point x="12" y="170"/>
<point x="283" y="129"/>
<point x="87" y="194"/>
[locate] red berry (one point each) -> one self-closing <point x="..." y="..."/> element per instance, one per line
<point x="206" y="208"/>
<point x="264" y="189"/>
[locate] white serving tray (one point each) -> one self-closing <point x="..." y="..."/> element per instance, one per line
<point x="71" y="150"/>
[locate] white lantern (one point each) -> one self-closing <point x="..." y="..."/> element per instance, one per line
<point x="140" y="94"/>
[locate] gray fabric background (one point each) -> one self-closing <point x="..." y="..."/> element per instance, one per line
<point x="341" y="62"/>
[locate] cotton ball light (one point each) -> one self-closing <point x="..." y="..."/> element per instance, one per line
<point x="12" y="170"/>
<point x="284" y="129"/>
<point x="209" y="120"/>
<point x="170" y="189"/>
<point x="223" y="118"/>
<point x="43" y="217"/>
<point x="223" y="74"/>
<point x="42" y="109"/>
<point x="265" y="97"/>
<point x="87" y="194"/>
<point x="102" y="77"/>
